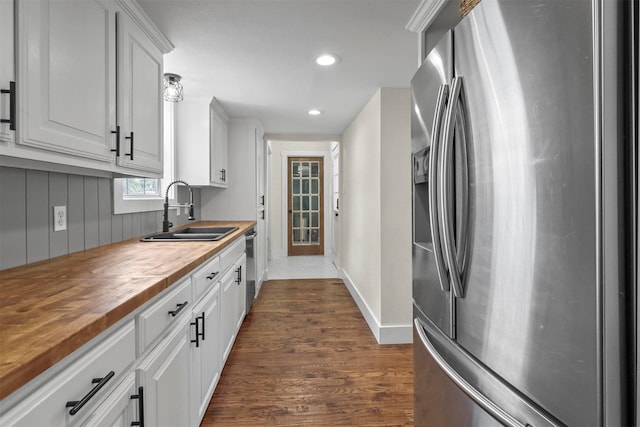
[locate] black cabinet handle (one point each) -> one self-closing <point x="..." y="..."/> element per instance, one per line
<point x="261" y="214"/>
<point x="262" y="200"/>
<point x="199" y="332"/>
<point x="239" y="271"/>
<point x="212" y="275"/>
<point x="197" y="340"/>
<point x="117" y="149"/>
<point x="140" y="397"/>
<point x="12" y="105"/>
<point x="178" y="309"/>
<point x="76" y="405"/>
<point x="131" y="138"/>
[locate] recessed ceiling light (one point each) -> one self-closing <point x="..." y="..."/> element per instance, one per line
<point x="314" y="112"/>
<point x="327" y="59"/>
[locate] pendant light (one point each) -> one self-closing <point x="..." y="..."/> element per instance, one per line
<point x="172" y="87"/>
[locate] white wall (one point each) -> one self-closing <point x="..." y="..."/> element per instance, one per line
<point x="395" y="180"/>
<point x="277" y="158"/>
<point x="375" y="214"/>
<point x="361" y="241"/>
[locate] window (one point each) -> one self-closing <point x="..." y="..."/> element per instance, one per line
<point x="147" y="194"/>
<point x="141" y="187"/>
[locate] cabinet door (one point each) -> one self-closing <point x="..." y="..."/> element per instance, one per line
<point x="205" y="360"/>
<point x="7" y="66"/>
<point x="218" y="130"/>
<point x="118" y="409"/>
<point x="164" y="376"/>
<point x="229" y="307"/>
<point x="66" y="77"/>
<point x="140" y="103"/>
<point x="241" y="285"/>
<point x="193" y="138"/>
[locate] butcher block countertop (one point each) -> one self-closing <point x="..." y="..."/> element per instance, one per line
<point x="50" y="308"/>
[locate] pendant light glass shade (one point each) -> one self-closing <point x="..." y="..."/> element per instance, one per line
<point x="172" y="87"/>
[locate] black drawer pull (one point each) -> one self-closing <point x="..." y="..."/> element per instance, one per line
<point x="212" y="275"/>
<point x="178" y="309"/>
<point x="140" y="397"/>
<point x="76" y="405"/>
<point x="12" y="106"/>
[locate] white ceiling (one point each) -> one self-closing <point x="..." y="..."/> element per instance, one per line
<point x="256" y="56"/>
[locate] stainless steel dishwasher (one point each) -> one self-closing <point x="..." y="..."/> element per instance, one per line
<point x="251" y="267"/>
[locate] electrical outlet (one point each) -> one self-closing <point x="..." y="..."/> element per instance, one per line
<point x="59" y="218"/>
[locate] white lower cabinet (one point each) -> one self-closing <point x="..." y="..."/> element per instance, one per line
<point x="164" y="377"/>
<point x="229" y="295"/>
<point x="205" y="352"/>
<point x="70" y="396"/>
<point x="234" y="285"/>
<point x="157" y="367"/>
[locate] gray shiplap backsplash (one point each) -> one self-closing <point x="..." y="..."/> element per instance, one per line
<point x="27" y="198"/>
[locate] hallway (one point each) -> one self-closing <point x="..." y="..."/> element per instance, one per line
<point x="302" y="267"/>
<point x="305" y="356"/>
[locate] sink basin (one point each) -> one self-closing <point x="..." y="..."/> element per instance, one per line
<point x="192" y="234"/>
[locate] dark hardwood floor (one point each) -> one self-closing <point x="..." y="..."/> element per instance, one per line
<point x="305" y="356"/>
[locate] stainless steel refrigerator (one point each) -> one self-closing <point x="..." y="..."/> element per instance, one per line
<point x="523" y="219"/>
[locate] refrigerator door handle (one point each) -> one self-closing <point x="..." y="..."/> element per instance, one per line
<point x="455" y="258"/>
<point x="441" y="102"/>
<point x="478" y="397"/>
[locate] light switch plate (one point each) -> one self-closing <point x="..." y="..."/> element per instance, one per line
<point x="59" y="218"/>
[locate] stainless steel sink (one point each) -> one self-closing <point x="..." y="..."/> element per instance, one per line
<point x="192" y="234"/>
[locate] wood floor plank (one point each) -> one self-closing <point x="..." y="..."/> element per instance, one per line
<point x="305" y="356"/>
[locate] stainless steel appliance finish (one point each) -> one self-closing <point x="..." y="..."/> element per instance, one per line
<point x="437" y="70"/>
<point x="513" y="293"/>
<point x="250" y="236"/>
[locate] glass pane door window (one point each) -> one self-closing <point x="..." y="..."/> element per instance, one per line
<point x="306" y="206"/>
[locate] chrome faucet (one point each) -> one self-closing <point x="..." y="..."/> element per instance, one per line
<point x="166" y="224"/>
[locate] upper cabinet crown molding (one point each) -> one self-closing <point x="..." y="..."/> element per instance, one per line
<point x="141" y="18"/>
<point x="425" y="15"/>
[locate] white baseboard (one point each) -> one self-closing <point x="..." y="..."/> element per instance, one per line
<point x="395" y="334"/>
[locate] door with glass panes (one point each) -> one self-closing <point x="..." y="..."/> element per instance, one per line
<point x="305" y="206"/>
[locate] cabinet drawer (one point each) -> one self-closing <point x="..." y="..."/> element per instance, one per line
<point x="206" y="277"/>
<point x="231" y="254"/>
<point x="153" y="321"/>
<point x="47" y="405"/>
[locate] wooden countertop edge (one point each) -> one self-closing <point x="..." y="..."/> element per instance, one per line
<point x="20" y="374"/>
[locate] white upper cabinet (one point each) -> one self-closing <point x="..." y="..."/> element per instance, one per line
<point x="140" y="100"/>
<point x="201" y="130"/>
<point x="7" y="70"/>
<point x="66" y="85"/>
<point x="78" y="63"/>
<point x="218" y="124"/>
